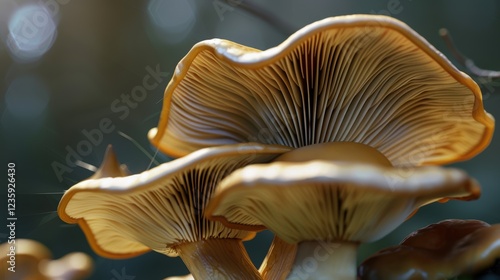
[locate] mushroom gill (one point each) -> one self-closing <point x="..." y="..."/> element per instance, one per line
<point x="328" y="207"/>
<point x="163" y="209"/>
<point x="360" y="78"/>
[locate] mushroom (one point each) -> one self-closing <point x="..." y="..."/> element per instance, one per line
<point x="70" y="267"/>
<point x="361" y="78"/>
<point x="30" y="259"/>
<point x="162" y="209"/>
<point x="110" y="166"/>
<point x="328" y="206"/>
<point x="185" y="277"/>
<point x="443" y="250"/>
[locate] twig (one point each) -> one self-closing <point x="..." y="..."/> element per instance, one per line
<point x="465" y="61"/>
<point x="263" y="14"/>
<point x="152" y="158"/>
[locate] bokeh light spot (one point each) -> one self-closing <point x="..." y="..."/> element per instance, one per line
<point x="27" y="98"/>
<point x="173" y="18"/>
<point x="32" y="31"/>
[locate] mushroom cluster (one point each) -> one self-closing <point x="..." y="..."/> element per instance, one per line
<point x="329" y="140"/>
<point x="163" y="209"/>
<point x="33" y="260"/>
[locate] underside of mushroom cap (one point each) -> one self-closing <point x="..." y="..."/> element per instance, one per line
<point x="361" y="78"/>
<point x="322" y="200"/>
<point x="444" y="250"/>
<point x="159" y="208"/>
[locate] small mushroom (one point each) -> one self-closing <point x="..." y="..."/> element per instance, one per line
<point x="163" y="209"/>
<point x="330" y="205"/>
<point x="360" y="78"/>
<point x="443" y="250"/>
<point x="186" y="277"/>
<point x="72" y="266"/>
<point x="30" y="259"/>
<point x="110" y="166"/>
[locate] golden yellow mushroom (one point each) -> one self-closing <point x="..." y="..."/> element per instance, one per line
<point x="350" y="195"/>
<point x="361" y="78"/>
<point x="31" y="260"/>
<point x="162" y="209"/>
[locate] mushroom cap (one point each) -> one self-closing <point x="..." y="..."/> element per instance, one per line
<point x="28" y="255"/>
<point x="33" y="261"/>
<point x="324" y="200"/>
<point x="443" y="250"/>
<point x="110" y="166"/>
<point x="160" y="208"/>
<point x="72" y="266"/>
<point x="26" y="247"/>
<point x="360" y="78"/>
<point x="185" y="277"/>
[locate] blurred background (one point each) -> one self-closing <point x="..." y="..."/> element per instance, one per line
<point x="65" y="65"/>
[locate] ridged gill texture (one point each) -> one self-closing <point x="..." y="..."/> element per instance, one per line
<point x="159" y="208"/>
<point x="322" y="200"/>
<point x="366" y="79"/>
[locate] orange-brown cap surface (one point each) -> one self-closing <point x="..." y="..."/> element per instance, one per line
<point x="443" y="250"/>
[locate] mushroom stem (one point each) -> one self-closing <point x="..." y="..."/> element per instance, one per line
<point x="325" y="260"/>
<point x="279" y="260"/>
<point x="218" y="259"/>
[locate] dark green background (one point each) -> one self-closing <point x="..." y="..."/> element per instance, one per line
<point x="102" y="50"/>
